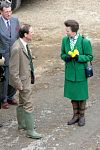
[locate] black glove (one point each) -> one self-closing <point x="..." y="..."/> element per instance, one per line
<point x="32" y="78"/>
<point x="76" y="57"/>
<point x="68" y="58"/>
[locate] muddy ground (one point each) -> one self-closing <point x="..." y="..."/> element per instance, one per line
<point x="52" y="110"/>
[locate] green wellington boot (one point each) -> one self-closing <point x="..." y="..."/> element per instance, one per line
<point x="20" y="118"/>
<point x="29" y="120"/>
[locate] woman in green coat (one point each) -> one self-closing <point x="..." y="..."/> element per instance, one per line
<point x="76" y="51"/>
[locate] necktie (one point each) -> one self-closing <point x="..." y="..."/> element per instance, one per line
<point x="30" y="58"/>
<point x="9" y="28"/>
<point x="31" y="65"/>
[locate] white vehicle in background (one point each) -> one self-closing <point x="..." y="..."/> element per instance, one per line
<point x="15" y="4"/>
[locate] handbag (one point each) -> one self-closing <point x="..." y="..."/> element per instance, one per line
<point x="89" y="70"/>
<point x="89" y="66"/>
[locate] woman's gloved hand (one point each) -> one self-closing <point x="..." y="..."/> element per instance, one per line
<point x="71" y="55"/>
<point x="76" y="57"/>
<point x="68" y="58"/>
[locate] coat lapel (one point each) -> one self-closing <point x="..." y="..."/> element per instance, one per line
<point x="67" y="47"/>
<point x="23" y="48"/>
<point x="78" y="42"/>
<point x="3" y="27"/>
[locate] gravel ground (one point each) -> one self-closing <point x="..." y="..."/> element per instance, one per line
<point x="47" y="18"/>
<point x="52" y="110"/>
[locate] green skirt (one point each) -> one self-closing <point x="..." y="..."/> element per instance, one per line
<point x="76" y="90"/>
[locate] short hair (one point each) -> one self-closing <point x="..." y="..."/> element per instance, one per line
<point x="74" y="25"/>
<point x="24" y="29"/>
<point x="5" y="3"/>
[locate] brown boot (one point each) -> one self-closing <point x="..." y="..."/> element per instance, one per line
<point x="75" y="118"/>
<point x="81" y="121"/>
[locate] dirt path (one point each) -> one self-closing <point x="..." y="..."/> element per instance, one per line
<point x="47" y="17"/>
<point x="52" y="110"/>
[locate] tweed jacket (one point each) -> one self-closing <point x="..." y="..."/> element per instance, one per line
<point x="19" y="66"/>
<point x="6" y="41"/>
<point x="75" y="70"/>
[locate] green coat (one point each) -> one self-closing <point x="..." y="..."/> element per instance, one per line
<point x="75" y="70"/>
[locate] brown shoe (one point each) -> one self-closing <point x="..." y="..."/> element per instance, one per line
<point x="12" y="102"/>
<point x="5" y="105"/>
